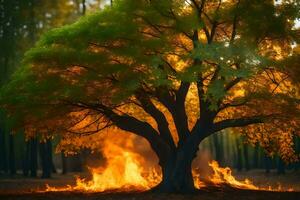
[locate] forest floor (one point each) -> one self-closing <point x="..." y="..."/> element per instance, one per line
<point x="19" y="188"/>
<point x="211" y="194"/>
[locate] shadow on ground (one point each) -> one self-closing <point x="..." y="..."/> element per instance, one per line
<point x="210" y="193"/>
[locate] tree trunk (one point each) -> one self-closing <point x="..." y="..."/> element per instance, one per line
<point x="12" y="165"/>
<point x="63" y="163"/>
<point x="246" y="156"/>
<point x="33" y="157"/>
<point x="256" y="157"/>
<point x="218" y="146"/>
<point x="83" y="7"/>
<point x="53" y="168"/>
<point x="182" y="175"/>
<point x="26" y="159"/>
<point x="49" y="160"/>
<point x="45" y="149"/>
<point x="297" y="147"/>
<point x="176" y="176"/>
<point x="239" y="162"/>
<point x="268" y="164"/>
<point x="280" y="166"/>
<point x="3" y="151"/>
<point x="177" y="168"/>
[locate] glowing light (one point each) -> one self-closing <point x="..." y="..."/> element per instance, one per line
<point x="126" y="170"/>
<point x="123" y="171"/>
<point x="223" y="176"/>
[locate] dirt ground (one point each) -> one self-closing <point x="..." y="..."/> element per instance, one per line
<point x="20" y="188"/>
<point x="210" y="194"/>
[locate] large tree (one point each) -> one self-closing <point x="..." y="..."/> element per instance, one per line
<point x="173" y="72"/>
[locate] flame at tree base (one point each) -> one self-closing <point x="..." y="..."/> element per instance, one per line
<point x="123" y="173"/>
<point x="126" y="170"/>
<point x="130" y="177"/>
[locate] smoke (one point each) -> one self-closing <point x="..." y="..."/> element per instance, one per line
<point x="200" y="164"/>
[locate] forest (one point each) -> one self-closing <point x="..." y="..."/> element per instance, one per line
<point x="125" y="99"/>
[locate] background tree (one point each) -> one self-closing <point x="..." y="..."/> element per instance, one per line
<point x="22" y="22"/>
<point x="173" y="72"/>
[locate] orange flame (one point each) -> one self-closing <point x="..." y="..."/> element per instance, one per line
<point x="224" y="176"/>
<point x="130" y="176"/>
<point x="126" y="170"/>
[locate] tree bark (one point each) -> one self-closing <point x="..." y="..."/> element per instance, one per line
<point x="256" y="157"/>
<point x="3" y="151"/>
<point x="45" y="149"/>
<point x="246" y="157"/>
<point x="33" y="157"/>
<point x="49" y="145"/>
<point x="12" y="165"/>
<point x="297" y="148"/>
<point x="177" y="168"/>
<point x="280" y="166"/>
<point x="63" y="163"/>
<point x="26" y="159"/>
<point x="239" y="161"/>
<point x="83" y="7"/>
<point x="218" y="144"/>
<point x="268" y="164"/>
<point x="176" y="175"/>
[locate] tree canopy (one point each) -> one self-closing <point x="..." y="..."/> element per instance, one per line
<point x="173" y="72"/>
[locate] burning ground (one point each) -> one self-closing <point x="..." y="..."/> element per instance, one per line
<point x="211" y="193"/>
<point x="128" y="181"/>
<point x="222" y="185"/>
<point x="130" y="171"/>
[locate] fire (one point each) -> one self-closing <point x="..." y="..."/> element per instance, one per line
<point x="130" y="176"/>
<point x="124" y="170"/>
<point x="122" y="173"/>
<point x="127" y="170"/>
<point x="224" y="176"/>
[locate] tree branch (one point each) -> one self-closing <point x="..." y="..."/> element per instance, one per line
<point x="159" y="117"/>
<point x="232" y="83"/>
<point x="240" y="122"/>
<point x="228" y="105"/>
<point x="127" y="123"/>
<point x="234" y="25"/>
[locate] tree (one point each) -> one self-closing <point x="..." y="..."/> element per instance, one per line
<point x="46" y="158"/>
<point x="173" y="72"/>
<point x="3" y="148"/>
<point x="239" y="160"/>
<point x="33" y="156"/>
<point x="12" y="165"/>
<point x="218" y="147"/>
<point x="21" y="22"/>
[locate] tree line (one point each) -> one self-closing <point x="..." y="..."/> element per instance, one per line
<point x="22" y="23"/>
